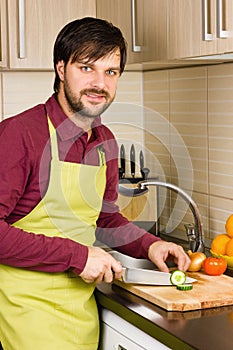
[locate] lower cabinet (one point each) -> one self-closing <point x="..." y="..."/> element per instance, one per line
<point x="118" y="334"/>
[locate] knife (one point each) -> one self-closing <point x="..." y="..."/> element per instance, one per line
<point x="149" y="277"/>
<point x="122" y="160"/>
<point x="132" y="160"/>
<point x="144" y="171"/>
<point x="141" y="160"/>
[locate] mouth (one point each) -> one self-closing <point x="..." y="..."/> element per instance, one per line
<point x="95" y="96"/>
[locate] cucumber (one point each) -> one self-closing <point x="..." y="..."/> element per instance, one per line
<point x="184" y="287"/>
<point x="177" y="277"/>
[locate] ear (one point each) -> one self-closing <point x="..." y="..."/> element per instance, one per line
<point x="60" y="66"/>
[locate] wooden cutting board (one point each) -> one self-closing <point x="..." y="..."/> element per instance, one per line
<point x="207" y="292"/>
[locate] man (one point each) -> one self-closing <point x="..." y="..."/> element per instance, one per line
<point x="58" y="185"/>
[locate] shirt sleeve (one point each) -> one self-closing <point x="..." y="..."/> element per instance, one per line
<point x="38" y="252"/>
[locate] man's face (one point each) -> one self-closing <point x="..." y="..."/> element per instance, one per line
<point x="88" y="88"/>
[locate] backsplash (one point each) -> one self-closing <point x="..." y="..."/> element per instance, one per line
<point x="198" y="103"/>
<point x="22" y="90"/>
<point x="181" y="118"/>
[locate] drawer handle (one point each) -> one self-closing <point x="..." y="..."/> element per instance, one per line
<point x="120" y="347"/>
<point x="135" y="47"/>
<point x="221" y="19"/>
<point x="206" y="20"/>
<point x="21" y="28"/>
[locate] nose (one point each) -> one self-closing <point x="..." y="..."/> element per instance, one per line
<point x="99" y="80"/>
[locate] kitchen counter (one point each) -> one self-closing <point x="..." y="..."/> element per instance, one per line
<point x="206" y="329"/>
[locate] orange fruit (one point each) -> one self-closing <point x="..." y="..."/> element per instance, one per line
<point x="229" y="226"/>
<point x="219" y="243"/>
<point x="229" y="248"/>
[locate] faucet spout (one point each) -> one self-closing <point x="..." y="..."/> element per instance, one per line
<point x="196" y="236"/>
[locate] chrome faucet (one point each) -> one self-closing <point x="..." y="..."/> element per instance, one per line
<point x="194" y="232"/>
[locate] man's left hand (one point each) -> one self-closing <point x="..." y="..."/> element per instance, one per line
<point x="160" y="251"/>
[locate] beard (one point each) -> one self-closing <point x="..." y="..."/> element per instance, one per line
<point x="77" y="106"/>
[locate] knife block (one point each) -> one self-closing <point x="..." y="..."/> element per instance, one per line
<point x="141" y="210"/>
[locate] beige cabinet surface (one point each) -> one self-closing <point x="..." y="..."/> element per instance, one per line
<point x="33" y="26"/>
<point x="3" y="34"/>
<point x="143" y="24"/>
<point x="200" y="27"/>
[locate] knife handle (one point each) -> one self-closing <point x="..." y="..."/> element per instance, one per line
<point x="132" y="160"/>
<point x="122" y="161"/>
<point x="145" y="173"/>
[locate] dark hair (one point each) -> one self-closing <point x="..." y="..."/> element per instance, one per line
<point x="87" y="38"/>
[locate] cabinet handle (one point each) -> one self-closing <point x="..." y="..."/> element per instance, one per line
<point x="221" y="19"/>
<point x="206" y="9"/>
<point x="21" y="28"/>
<point x="135" y="48"/>
<point x="120" y="347"/>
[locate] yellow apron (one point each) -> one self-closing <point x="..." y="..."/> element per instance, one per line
<point x="55" y="311"/>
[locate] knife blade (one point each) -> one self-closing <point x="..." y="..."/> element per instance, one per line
<point x="122" y="160"/>
<point x="141" y="160"/>
<point x="132" y="161"/>
<point x="149" y="277"/>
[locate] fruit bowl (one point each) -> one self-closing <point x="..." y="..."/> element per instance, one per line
<point x="229" y="259"/>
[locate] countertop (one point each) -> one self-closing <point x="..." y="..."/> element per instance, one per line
<point x="206" y="329"/>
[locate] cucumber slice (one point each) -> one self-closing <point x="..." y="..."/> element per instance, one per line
<point x="177" y="277"/>
<point x="185" y="287"/>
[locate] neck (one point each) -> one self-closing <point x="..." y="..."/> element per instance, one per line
<point x="83" y="123"/>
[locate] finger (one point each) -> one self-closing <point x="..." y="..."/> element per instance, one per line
<point x="88" y="281"/>
<point x="108" y="276"/>
<point x="116" y="269"/>
<point x="183" y="263"/>
<point x="161" y="265"/>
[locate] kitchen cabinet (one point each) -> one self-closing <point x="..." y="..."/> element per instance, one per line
<point x="200" y="28"/>
<point x="116" y="333"/>
<point x="143" y="24"/>
<point x="33" y="26"/>
<point x="3" y="33"/>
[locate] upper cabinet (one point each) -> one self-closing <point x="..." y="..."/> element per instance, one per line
<point x="143" y="24"/>
<point x="3" y="34"/>
<point x="155" y="30"/>
<point x="200" y="27"/>
<point x="32" y="29"/>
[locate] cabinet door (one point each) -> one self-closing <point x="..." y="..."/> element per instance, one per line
<point x="200" y="27"/>
<point x="143" y="24"/>
<point x="186" y="29"/>
<point x="154" y="41"/>
<point x="34" y="25"/>
<point x="121" y="14"/>
<point x="111" y="339"/>
<point x="3" y="34"/>
<point x="225" y="25"/>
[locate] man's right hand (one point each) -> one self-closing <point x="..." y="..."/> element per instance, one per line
<point x="100" y="267"/>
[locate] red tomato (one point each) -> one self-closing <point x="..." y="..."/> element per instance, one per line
<point x="214" y="266"/>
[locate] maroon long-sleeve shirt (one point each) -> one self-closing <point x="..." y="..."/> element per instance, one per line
<point x="24" y="176"/>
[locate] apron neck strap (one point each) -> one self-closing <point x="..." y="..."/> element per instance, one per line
<point x="53" y="140"/>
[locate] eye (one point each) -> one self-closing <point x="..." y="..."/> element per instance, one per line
<point x="111" y="72"/>
<point x="86" y="69"/>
